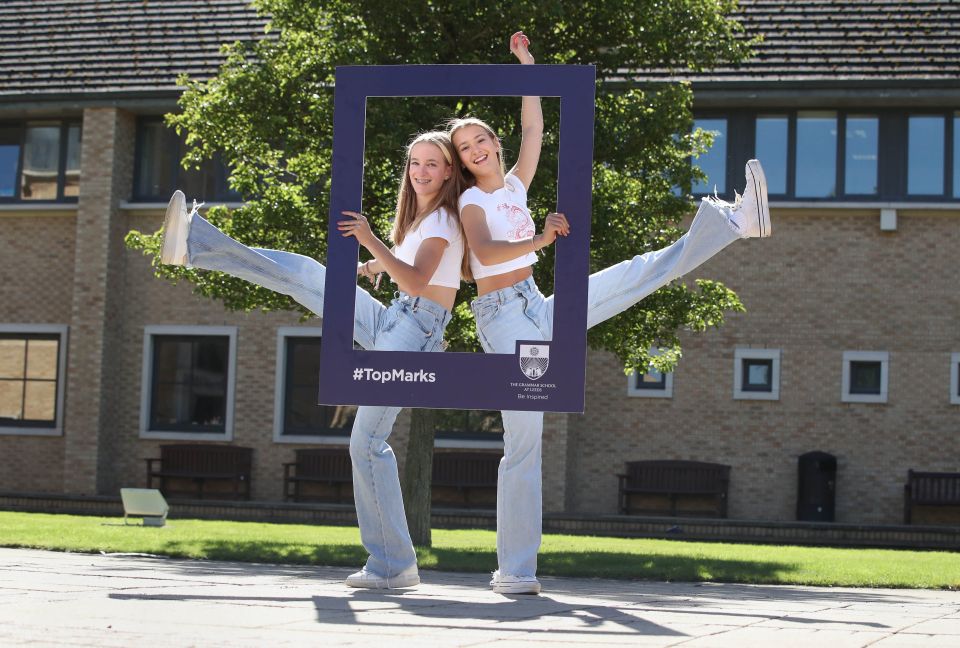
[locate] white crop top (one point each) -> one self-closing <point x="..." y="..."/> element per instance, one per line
<point x="508" y="220"/>
<point x="439" y="224"/>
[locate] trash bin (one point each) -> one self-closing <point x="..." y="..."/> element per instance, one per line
<point x="816" y="489"/>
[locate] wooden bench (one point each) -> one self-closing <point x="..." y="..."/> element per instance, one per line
<point x="200" y="464"/>
<point x="467" y="472"/>
<point x="674" y="479"/>
<point x="930" y="489"/>
<point x="328" y="466"/>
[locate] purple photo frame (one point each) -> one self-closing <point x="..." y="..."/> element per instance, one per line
<point x="462" y="380"/>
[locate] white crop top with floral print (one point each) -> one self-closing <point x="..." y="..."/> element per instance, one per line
<point x="508" y="219"/>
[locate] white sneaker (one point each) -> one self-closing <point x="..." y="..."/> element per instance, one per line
<point x="365" y="578"/>
<point x="504" y="584"/>
<point x="750" y="213"/>
<point x="176" y="227"/>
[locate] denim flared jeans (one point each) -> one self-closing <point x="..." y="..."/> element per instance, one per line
<point x="521" y="312"/>
<point x="407" y="324"/>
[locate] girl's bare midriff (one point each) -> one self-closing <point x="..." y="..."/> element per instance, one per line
<point x="440" y="295"/>
<point x="505" y="280"/>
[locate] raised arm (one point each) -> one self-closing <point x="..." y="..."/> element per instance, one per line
<point x="531" y="119"/>
<point x="411" y="279"/>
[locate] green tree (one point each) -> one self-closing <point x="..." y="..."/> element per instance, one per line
<point x="268" y="113"/>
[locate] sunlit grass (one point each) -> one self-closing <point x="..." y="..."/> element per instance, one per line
<point x="475" y="550"/>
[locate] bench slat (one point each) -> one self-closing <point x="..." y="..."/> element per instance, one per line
<point x="675" y="478"/>
<point x="201" y="463"/>
<point x="930" y="489"/>
<point x="331" y="466"/>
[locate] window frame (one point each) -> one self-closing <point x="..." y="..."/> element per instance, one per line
<point x="61" y="330"/>
<point x="892" y="152"/>
<point x="947" y="154"/>
<point x="221" y="181"/>
<point x="849" y="357"/>
<point x="727" y="119"/>
<point x="740" y="354"/>
<point x="955" y="378"/>
<point x="464" y="439"/>
<point x="280" y="391"/>
<point x="650" y="392"/>
<point x="64" y="124"/>
<point x="146" y="381"/>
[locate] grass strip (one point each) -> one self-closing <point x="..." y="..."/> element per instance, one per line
<point x="475" y="551"/>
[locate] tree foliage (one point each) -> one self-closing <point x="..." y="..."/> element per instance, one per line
<point x="269" y="114"/>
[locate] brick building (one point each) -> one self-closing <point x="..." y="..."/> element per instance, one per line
<point x="850" y="345"/>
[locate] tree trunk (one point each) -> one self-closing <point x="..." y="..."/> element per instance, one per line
<point x="418" y="474"/>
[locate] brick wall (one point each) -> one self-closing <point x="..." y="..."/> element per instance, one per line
<point x="106" y="161"/>
<point x="36" y="287"/>
<point x="161" y="303"/>
<point x="827" y="282"/>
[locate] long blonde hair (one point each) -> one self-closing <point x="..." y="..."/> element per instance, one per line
<point x="408" y="216"/>
<point x="462" y="122"/>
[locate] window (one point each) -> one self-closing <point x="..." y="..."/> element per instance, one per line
<point x="652" y="384"/>
<point x="860" y="155"/>
<point x="469" y="429"/>
<point x="772" y="150"/>
<point x="714" y="161"/>
<point x="889" y="155"/>
<point x="297" y="416"/>
<point x="956" y="155"/>
<point x="865" y="376"/>
<point x="816" y="168"/>
<point x="188" y="382"/>
<point x="955" y="378"/>
<point x="40" y="161"/>
<point x="9" y="161"/>
<point x="32" y="367"/>
<point x="756" y="374"/>
<point x="926" y="146"/>
<point x="157" y="171"/>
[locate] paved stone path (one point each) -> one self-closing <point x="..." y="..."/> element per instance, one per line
<point x="57" y="599"/>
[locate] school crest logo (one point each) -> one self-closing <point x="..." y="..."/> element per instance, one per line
<point x="534" y="360"/>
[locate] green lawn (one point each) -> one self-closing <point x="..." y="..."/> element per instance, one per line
<point x="471" y="550"/>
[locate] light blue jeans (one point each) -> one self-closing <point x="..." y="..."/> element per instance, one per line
<point x="521" y="312"/>
<point x="408" y="324"/>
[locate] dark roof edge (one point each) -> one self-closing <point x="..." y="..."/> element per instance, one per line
<point x="139" y="100"/>
<point x="814" y="95"/>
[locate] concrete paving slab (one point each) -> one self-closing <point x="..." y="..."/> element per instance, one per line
<point x="60" y="599"/>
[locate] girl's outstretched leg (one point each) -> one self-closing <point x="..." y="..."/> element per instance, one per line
<point x="189" y="240"/>
<point x="716" y="225"/>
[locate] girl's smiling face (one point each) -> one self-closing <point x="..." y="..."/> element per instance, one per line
<point x="427" y="169"/>
<point x="478" y="149"/>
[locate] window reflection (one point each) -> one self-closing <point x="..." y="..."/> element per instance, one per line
<point x="771" y="150"/>
<point x="301" y="414"/>
<point x="956" y="155"/>
<point x="485" y="425"/>
<point x="28" y="380"/>
<point x="154" y="168"/>
<point x="189" y="390"/>
<point x="71" y="184"/>
<point x="860" y="164"/>
<point x="925" y="155"/>
<point x="9" y="157"/>
<point x="41" y="162"/>
<point x="653" y="379"/>
<point x="714" y="161"/>
<point x="159" y="151"/>
<point x="816" y="173"/>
